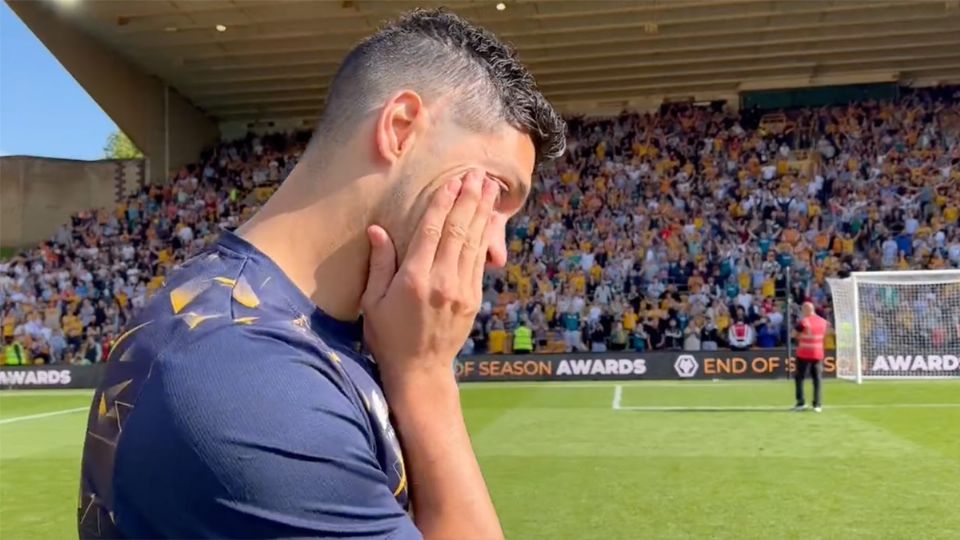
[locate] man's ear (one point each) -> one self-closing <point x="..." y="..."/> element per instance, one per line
<point x="396" y="127"/>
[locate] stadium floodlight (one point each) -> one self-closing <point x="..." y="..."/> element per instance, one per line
<point x="897" y="325"/>
<point x="66" y="4"/>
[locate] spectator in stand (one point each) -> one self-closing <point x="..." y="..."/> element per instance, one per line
<point x="767" y="334"/>
<point x="496" y="336"/>
<point x="58" y="346"/>
<point x="598" y="338"/>
<point x="693" y="336"/>
<point x="618" y="337"/>
<point x="572" y="331"/>
<point x="39" y="351"/>
<point x="92" y="350"/>
<point x="673" y="335"/>
<point x="710" y="337"/>
<point x="741" y="335"/>
<point x="478" y="339"/>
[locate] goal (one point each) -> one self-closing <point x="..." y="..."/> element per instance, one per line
<point x="897" y="324"/>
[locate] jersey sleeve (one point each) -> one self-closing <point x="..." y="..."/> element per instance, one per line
<point x="275" y="448"/>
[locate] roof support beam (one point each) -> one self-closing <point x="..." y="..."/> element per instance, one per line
<point x="146" y="109"/>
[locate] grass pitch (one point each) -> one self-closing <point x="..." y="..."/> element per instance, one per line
<point x="645" y="461"/>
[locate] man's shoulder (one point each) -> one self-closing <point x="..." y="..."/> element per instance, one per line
<point x="219" y="307"/>
<point x="212" y="332"/>
<point x="258" y="363"/>
<point x="235" y="370"/>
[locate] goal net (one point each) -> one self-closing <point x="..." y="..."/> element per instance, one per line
<point x="897" y="324"/>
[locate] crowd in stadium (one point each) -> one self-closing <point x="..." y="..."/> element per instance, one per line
<point x="672" y="231"/>
<point x="68" y="299"/>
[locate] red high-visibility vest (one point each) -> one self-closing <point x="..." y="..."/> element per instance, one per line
<point x="814" y="332"/>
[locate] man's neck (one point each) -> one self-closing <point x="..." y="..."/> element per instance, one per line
<point x="321" y="246"/>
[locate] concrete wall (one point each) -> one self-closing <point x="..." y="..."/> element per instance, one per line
<point x="37" y="195"/>
<point x="166" y="127"/>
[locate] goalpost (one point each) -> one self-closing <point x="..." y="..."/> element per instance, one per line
<point x="892" y="325"/>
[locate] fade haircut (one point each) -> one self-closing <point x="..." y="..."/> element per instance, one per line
<point x="439" y="54"/>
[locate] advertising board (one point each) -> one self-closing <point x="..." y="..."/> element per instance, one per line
<point x="657" y="365"/>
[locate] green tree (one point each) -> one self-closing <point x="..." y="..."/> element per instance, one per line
<point x="119" y="146"/>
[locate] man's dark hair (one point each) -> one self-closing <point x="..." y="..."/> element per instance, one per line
<point x="438" y="54"/>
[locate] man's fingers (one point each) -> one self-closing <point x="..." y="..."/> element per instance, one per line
<point x="456" y="229"/>
<point x="480" y="264"/>
<point x="383" y="264"/>
<point x="472" y="261"/>
<point x="423" y="246"/>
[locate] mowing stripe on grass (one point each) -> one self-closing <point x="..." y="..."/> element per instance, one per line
<point x="781" y="408"/>
<point x="42" y="415"/>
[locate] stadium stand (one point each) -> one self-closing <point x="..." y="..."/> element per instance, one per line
<point x="673" y="230"/>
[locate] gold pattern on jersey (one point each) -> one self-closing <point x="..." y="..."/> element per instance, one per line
<point x="244" y="295"/>
<point x="194" y="320"/>
<point x="123" y="336"/>
<point x="181" y="296"/>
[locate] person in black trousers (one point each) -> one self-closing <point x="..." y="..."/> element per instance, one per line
<point x="812" y="331"/>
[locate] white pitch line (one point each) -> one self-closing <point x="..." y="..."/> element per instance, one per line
<point x="654" y="408"/>
<point x="42" y="415"/>
<point x="53" y="392"/>
<point x="617" y="397"/>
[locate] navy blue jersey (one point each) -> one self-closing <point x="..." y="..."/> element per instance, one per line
<point x="233" y="407"/>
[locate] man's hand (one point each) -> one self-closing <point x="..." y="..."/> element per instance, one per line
<point x="417" y="317"/>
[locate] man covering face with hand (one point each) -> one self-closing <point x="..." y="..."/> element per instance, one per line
<point x="248" y="400"/>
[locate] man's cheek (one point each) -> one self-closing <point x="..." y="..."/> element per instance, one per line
<point x="408" y="213"/>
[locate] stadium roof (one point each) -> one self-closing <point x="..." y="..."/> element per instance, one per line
<point x="274" y="59"/>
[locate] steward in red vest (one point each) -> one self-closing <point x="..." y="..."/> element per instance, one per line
<point x="811" y="332"/>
